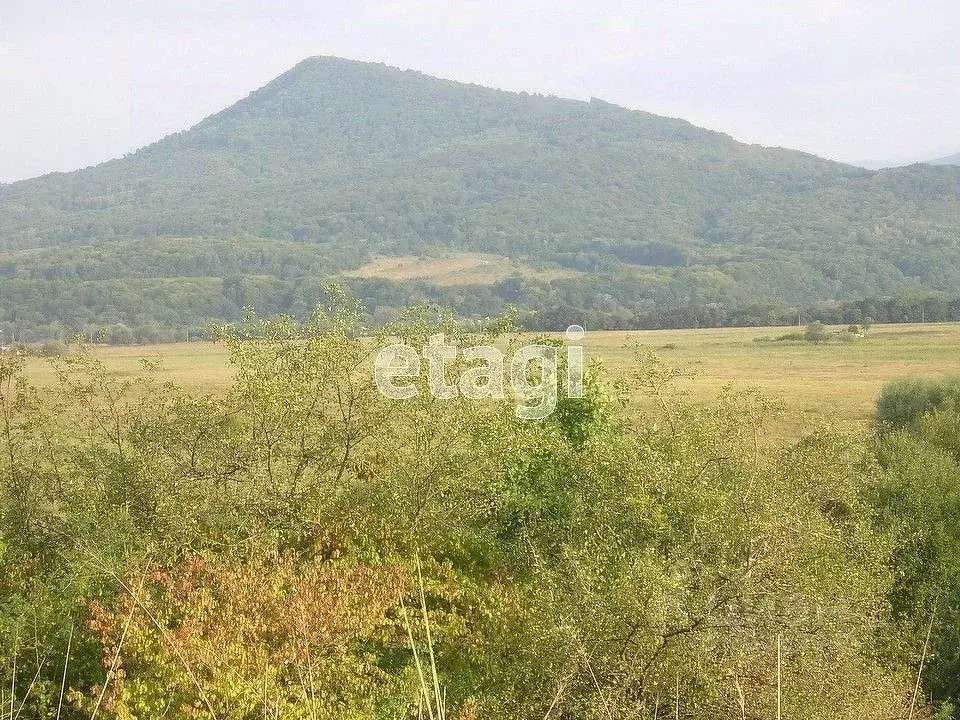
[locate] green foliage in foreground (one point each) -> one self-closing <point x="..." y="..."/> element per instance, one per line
<point x="253" y="554"/>
<point x="904" y="403"/>
<point x="918" y="444"/>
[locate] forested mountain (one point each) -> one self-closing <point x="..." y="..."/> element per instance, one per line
<point x="336" y="162"/>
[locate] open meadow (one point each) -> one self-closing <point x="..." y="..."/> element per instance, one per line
<point x="835" y="382"/>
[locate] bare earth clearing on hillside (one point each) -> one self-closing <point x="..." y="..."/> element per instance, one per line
<point x="452" y="270"/>
<point x="833" y="382"/>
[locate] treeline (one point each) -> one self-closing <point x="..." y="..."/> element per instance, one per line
<point x="915" y="308"/>
<point x="300" y="546"/>
<point x="150" y="309"/>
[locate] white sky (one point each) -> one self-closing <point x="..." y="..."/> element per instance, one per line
<point x="85" y="81"/>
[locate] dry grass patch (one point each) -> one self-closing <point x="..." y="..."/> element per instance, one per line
<point x="452" y="270"/>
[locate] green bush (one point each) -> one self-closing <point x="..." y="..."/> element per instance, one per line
<point x="918" y="504"/>
<point x="903" y="402"/>
<point x="253" y="553"/>
<point x="816" y="332"/>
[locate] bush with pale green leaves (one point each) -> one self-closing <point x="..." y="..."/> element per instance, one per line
<point x="255" y="553"/>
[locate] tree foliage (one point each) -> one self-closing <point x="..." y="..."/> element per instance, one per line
<point x="254" y="552"/>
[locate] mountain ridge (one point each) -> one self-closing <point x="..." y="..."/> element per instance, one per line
<point x="336" y="162"/>
<point x="947" y="160"/>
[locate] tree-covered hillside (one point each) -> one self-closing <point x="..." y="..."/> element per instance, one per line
<point x="337" y="161"/>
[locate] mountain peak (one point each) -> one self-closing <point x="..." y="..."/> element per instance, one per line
<point x="336" y="161"/>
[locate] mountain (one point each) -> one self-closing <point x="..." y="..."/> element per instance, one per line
<point x="948" y="160"/>
<point x="875" y="164"/>
<point x="337" y="164"/>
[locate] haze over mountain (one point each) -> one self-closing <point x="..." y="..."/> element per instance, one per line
<point x="607" y="212"/>
<point x="948" y="160"/>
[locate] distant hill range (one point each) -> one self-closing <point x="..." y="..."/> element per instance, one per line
<point x="948" y="160"/>
<point x="583" y="208"/>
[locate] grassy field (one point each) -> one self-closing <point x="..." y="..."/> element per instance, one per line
<point x="834" y="382"/>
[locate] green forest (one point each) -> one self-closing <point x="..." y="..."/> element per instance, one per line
<point x="337" y="162"/>
<point x="53" y="299"/>
<point x="299" y="546"/>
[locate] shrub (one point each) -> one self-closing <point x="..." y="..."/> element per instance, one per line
<point x="586" y="565"/>
<point x="918" y="502"/>
<point x="53" y="348"/>
<point x="903" y="402"/>
<point x="816" y="332"/>
<point x="275" y="636"/>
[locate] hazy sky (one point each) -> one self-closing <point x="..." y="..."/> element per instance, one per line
<point x="85" y="81"/>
